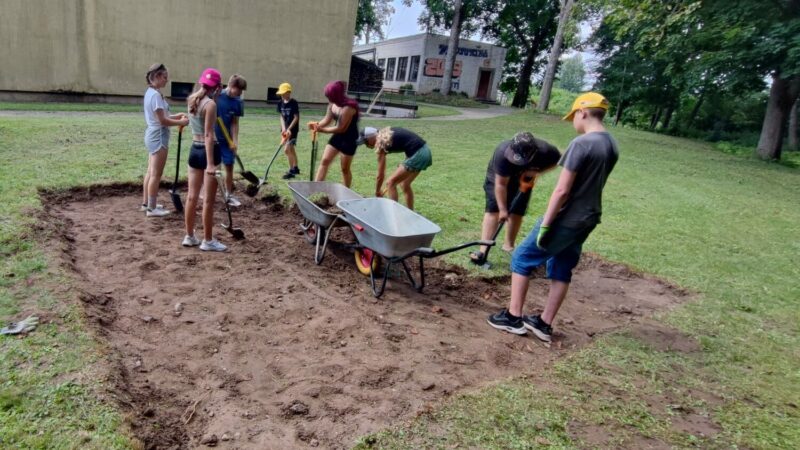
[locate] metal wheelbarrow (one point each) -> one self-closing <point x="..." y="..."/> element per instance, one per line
<point x="395" y="233"/>
<point x="318" y="223"/>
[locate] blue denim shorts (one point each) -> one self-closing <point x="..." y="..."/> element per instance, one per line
<point x="561" y="254"/>
<point x="228" y="157"/>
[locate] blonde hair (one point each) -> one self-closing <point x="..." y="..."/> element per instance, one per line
<point x="383" y="140"/>
<point x="194" y="100"/>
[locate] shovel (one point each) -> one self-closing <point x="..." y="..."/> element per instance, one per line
<point x="237" y="233"/>
<point x="525" y="185"/>
<point x="173" y="192"/>
<point x="246" y="174"/>
<point x="313" y="153"/>
<point x="252" y="190"/>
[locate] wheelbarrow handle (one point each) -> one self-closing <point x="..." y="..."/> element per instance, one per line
<point x="427" y="252"/>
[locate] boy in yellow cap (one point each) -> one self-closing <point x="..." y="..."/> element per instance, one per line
<point x="290" y="126"/>
<point x="572" y="213"/>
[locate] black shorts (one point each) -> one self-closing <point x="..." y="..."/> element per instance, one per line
<point x="518" y="209"/>
<point x="344" y="144"/>
<point x="197" y="156"/>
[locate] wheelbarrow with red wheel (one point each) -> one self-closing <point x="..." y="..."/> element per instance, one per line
<point x="318" y="223"/>
<point x="388" y="231"/>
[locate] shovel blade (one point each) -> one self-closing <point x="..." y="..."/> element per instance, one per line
<point x="251" y="190"/>
<point x="251" y="177"/>
<point x="237" y="233"/>
<point x="176" y="200"/>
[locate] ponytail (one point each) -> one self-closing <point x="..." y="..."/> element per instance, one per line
<point x="194" y="100"/>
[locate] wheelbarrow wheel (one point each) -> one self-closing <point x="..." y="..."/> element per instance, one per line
<point x="363" y="257"/>
<point x="310" y="232"/>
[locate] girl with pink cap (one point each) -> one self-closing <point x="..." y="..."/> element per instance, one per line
<point x="344" y="110"/>
<point x="204" y="158"/>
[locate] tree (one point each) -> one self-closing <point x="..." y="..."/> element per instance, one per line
<point x="526" y="28"/>
<point x="555" y="53"/>
<point x="572" y="74"/>
<point x="793" y="127"/>
<point x="371" y="18"/>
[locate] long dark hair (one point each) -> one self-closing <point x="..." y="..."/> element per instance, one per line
<point x="336" y="91"/>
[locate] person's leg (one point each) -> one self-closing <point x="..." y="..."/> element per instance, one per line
<point x="558" y="291"/>
<point x="347" y="175"/>
<point x="327" y="158"/>
<point x="519" y="291"/>
<point x="146" y="183"/>
<point x="396" y="178"/>
<point x="291" y="155"/>
<point x="513" y="225"/>
<point x="209" y="195"/>
<point x="229" y="178"/>
<point x="156" y="168"/>
<point x="195" y="183"/>
<point x="405" y="184"/>
<point x="488" y="227"/>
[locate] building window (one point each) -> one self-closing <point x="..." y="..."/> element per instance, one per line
<point x="382" y="63"/>
<point x="389" y="70"/>
<point x="402" y="64"/>
<point x="413" y="71"/>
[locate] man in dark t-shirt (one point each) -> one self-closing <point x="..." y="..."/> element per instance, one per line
<point x="396" y="140"/>
<point x="573" y="212"/>
<point x="522" y="157"/>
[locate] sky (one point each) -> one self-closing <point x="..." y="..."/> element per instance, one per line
<point x="404" y="23"/>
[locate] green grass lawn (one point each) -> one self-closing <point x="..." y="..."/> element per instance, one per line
<point x="722" y="225"/>
<point x="425" y="111"/>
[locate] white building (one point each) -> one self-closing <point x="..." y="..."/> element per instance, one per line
<point x="418" y="60"/>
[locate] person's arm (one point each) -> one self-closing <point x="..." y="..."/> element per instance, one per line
<point x="171" y="121"/>
<point x="559" y="196"/>
<point x="295" y="120"/>
<point x="500" y="193"/>
<point x="381" y="173"/>
<point x="347" y="114"/>
<point x="327" y="119"/>
<point x="235" y="133"/>
<point x="209" y="137"/>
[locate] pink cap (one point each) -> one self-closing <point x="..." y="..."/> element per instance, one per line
<point x="210" y="78"/>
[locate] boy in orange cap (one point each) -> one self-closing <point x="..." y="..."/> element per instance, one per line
<point x="572" y="213"/>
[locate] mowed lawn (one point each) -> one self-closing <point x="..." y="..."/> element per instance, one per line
<point x="723" y="226"/>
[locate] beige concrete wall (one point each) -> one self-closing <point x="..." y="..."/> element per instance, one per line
<point x="105" y="47"/>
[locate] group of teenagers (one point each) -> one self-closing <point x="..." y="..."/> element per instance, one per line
<point x="556" y="240"/>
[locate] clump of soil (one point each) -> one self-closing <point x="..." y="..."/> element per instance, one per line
<point x="272" y="351"/>
<point x="321" y="199"/>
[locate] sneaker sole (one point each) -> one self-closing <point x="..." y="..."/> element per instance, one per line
<point x="213" y="249"/>
<point x="517" y="331"/>
<point x="542" y="337"/>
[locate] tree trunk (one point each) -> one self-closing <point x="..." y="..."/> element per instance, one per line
<point x="366" y="34"/>
<point x="656" y="117"/>
<point x="524" y="84"/>
<point x="782" y="96"/>
<point x="620" y="110"/>
<point x="555" y="53"/>
<point x="668" y="117"/>
<point x="696" y="109"/>
<point x="794" y="145"/>
<point x="452" y="49"/>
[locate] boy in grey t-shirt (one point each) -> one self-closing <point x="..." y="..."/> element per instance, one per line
<point x="572" y="213"/>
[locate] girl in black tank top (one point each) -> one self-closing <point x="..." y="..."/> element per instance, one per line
<point x="344" y="111"/>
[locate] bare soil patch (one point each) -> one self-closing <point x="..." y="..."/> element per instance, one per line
<point x="264" y="349"/>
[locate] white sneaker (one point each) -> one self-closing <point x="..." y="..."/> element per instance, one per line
<point x="157" y="212"/>
<point x="190" y="241"/>
<point x="212" y="246"/>
<point x="233" y="201"/>
<point x="143" y="208"/>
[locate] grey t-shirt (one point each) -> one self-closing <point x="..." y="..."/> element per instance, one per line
<point x="592" y="157"/>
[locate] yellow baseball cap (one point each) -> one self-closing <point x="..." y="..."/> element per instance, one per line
<point x="284" y="88"/>
<point x="587" y="100"/>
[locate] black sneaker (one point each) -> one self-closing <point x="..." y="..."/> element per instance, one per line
<point x="506" y="322"/>
<point x="535" y="323"/>
<point x="288" y="175"/>
<point x="295" y="170"/>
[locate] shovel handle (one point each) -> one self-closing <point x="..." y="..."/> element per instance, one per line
<point x="225" y="132"/>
